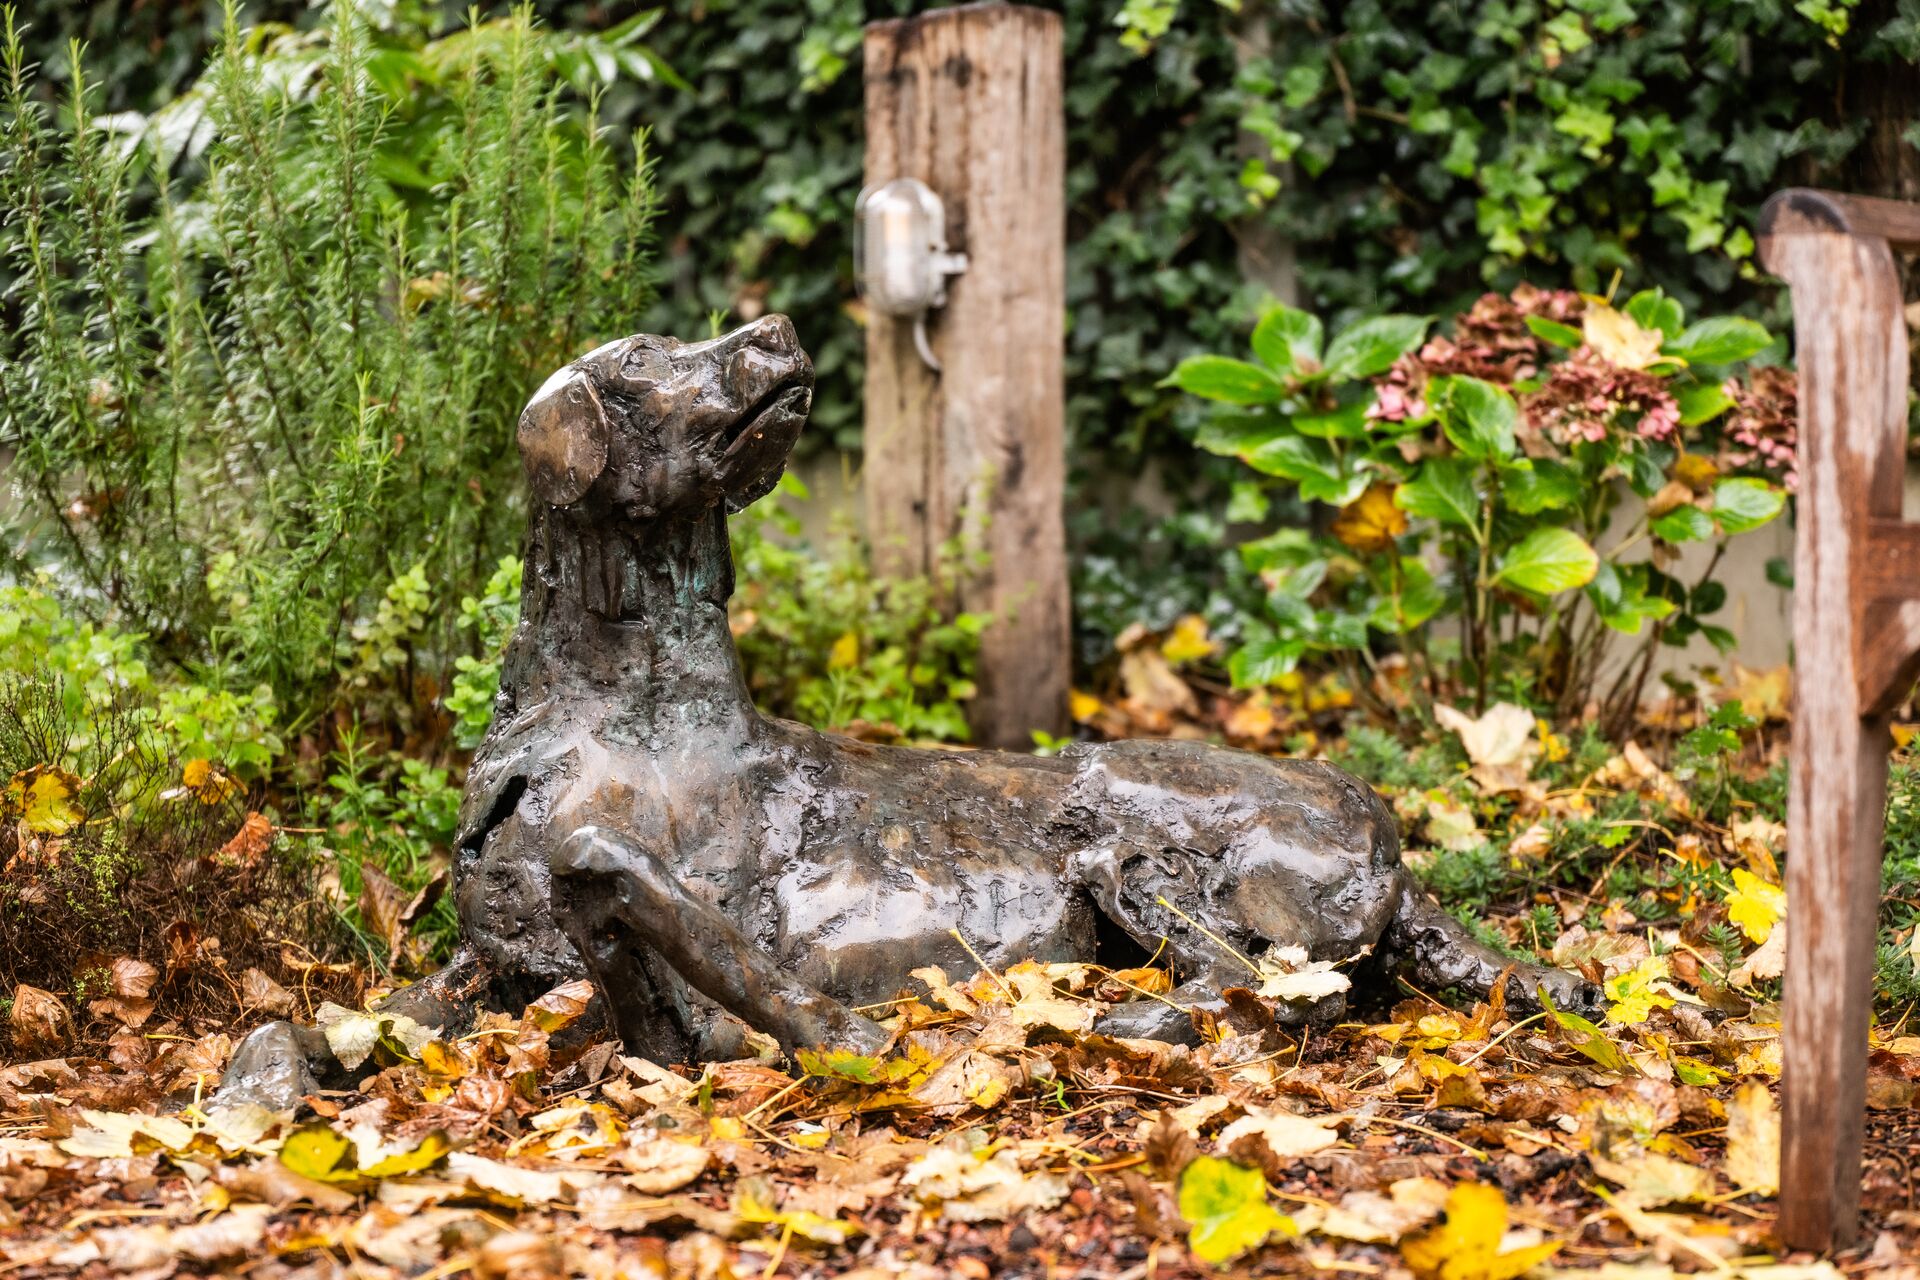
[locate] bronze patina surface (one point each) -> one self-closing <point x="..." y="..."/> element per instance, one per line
<point x="631" y="816"/>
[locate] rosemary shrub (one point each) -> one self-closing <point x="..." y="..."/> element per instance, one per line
<point x="260" y="398"/>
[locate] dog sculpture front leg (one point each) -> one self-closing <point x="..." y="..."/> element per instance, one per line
<point x="601" y="879"/>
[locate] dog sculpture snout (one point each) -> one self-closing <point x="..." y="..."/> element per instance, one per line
<point x="649" y="426"/>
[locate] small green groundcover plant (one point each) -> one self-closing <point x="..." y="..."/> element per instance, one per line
<point x="1484" y="479"/>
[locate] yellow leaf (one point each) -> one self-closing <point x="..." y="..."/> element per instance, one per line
<point x="1753" y="1139"/>
<point x="42" y="798"/>
<point x="1159" y="981"/>
<point x="1647" y="1178"/>
<point x="1764" y="695"/>
<point x="1639" y="991"/>
<point x="1755" y="905"/>
<point x="1226" y="1203"/>
<point x="1187" y="642"/>
<point x="1466" y="1245"/>
<point x="845" y="654"/>
<point x="1696" y="471"/>
<point x="1083" y="706"/>
<point x="1371" y="522"/>
<point x="1620" y="341"/>
<point x="206" y="782"/>
<point x="321" y="1152"/>
<point x="432" y="1149"/>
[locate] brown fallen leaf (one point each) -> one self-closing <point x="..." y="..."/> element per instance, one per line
<point x="259" y="992"/>
<point x="270" y="1182"/>
<point x="423" y="901"/>
<point x="380" y="907"/>
<point x="251" y="842"/>
<point x="40" y="1021"/>
<point x="520" y="1255"/>
<point x="560" y="1006"/>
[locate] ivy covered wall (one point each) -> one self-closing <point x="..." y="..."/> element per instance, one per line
<point x="1412" y="154"/>
<point x="1415" y="154"/>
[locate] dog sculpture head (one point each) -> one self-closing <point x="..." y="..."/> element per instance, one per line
<point x="650" y="427"/>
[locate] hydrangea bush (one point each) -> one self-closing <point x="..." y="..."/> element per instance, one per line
<point x="1529" y="477"/>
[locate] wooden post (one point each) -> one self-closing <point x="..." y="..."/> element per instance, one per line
<point x="967" y="100"/>
<point x="1856" y="638"/>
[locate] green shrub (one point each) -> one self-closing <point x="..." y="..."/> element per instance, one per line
<point x="1470" y="478"/>
<point x="262" y="399"/>
<point x="491" y="617"/>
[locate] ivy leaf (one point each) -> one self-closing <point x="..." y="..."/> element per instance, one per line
<point x="1226" y="1205"/>
<point x="1721" y="340"/>
<point x="1287" y="338"/>
<point x="1226" y="379"/>
<point x="1478" y="417"/>
<point x="1560" y="335"/>
<point x="1372" y="346"/>
<point x="1443" y="491"/>
<point x="1741" y="503"/>
<point x="1548" y="561"/>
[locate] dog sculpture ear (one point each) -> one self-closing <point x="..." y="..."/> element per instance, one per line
<point x="563" y="437"/>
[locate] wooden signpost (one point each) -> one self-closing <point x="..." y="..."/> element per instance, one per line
<point x="1856" y="638"/>
<point x="968" y="100"/>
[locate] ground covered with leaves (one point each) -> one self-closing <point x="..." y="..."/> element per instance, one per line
<point x="1403" y="1133"/>
<point x="999" y="1134"/>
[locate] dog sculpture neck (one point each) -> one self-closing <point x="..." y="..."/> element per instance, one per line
<point x="634" y="453"/>
<point x="641" y="607"/>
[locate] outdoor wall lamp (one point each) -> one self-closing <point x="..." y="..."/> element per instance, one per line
<point x="900" y="257"/>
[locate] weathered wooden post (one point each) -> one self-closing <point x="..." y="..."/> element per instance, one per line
<point x="1856" y="638"/>
<point x="968" y="100"/>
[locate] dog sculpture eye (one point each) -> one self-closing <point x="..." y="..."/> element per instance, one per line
<point x="644" y="366"/>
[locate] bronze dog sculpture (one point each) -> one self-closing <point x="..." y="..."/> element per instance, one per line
<point x="632" y="814"/>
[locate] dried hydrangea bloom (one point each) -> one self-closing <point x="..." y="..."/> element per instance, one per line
<point x="1764" y="423"/>
<point x="1584" y="397"/>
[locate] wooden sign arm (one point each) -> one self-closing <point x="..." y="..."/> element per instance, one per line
<point x="1889" y="585"/>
